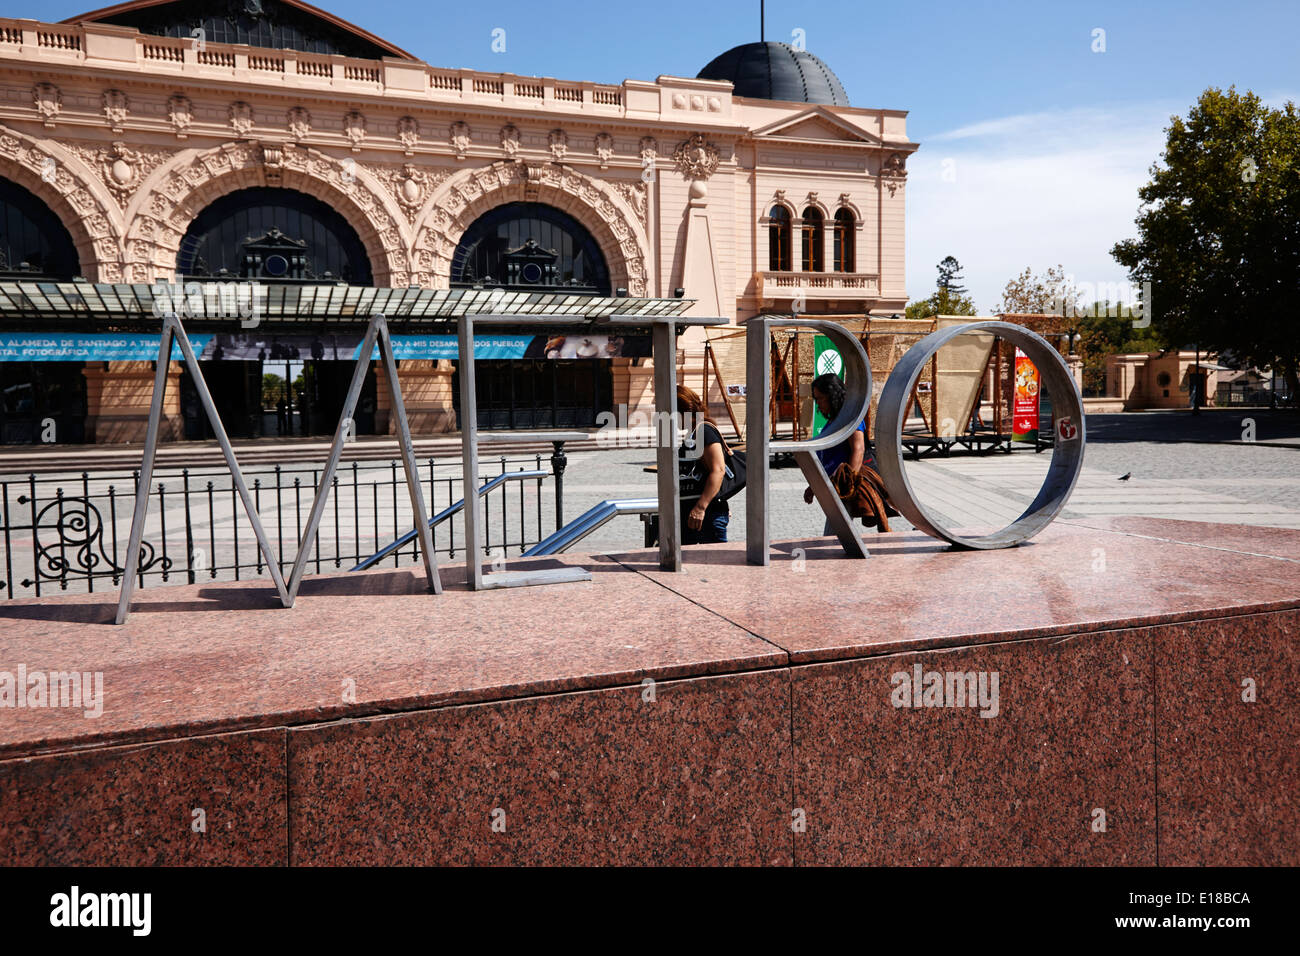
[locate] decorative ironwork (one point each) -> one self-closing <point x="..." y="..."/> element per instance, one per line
<point x="76" y="536"/>
<point x="68" y="537"/>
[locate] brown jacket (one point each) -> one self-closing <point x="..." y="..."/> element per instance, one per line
<point x="863" y="495"/>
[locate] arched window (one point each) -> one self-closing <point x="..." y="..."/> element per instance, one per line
<point x="844" y="225"/>
<point x="530" y="246"/>
<point x="33" y="242"/>
<point x="814" y="235"/>
<point x="778" y="240"/>
<point x="275" y="235"/>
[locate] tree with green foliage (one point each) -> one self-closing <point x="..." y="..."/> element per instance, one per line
<point x="949" y="297"/>
<point x="272" y="389"/>
<point x="950" y="276"/>
<point x="1219" y="232"/>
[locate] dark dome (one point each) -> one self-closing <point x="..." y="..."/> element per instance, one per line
<point x="777" y="71"/>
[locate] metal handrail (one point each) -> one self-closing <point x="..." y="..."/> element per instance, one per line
<point x="589" y="521"/>
<point x="448" y="512"/>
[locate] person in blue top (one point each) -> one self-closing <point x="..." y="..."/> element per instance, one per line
<point x="828" y="392"/>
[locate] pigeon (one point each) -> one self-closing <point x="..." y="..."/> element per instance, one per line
<point x="1126" y="476"/>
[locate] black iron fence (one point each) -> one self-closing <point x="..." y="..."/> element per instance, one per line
<point x="71" y="534"/>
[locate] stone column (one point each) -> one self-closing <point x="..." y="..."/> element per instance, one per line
<point x="1075" y="364"/>
<point x="118" y="395"/>
<point x="633" y="386"/>
<point x="426" y="392"/>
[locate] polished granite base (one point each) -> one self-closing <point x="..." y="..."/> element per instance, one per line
<point x="1115" y="692"/>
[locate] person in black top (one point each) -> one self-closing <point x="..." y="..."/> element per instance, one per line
<point x="704" y="519"/>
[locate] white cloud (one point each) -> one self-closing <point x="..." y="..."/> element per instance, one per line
<point x="1031" y="190"/>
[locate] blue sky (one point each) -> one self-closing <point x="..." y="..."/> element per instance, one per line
<point x="1032" y="145"/>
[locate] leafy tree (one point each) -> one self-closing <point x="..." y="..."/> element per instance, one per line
<point x="949" y="297"/>
<point x="950" y="277"/>
<point x="1219" y="231"/>
<point x="1033" y="294"/>
<point x="272" y="389"/>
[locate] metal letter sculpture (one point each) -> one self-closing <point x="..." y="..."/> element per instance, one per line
<point x="376" y="332"/>
<point x="759" y="445"/>
<point x="1067" y="450"/>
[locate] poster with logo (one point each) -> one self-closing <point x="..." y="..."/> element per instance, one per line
<point x="826" y="359"/>
<point x="1024" y="411"/>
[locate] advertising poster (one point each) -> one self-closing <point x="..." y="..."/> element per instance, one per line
<point x="1024" y="412"/>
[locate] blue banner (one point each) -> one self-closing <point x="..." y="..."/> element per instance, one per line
<point x="445" y="347"/>
<point x="87" y="347"/>
<point x="268" y="346"/>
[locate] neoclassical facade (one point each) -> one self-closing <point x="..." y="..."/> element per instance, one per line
<point x="135" y="126"/>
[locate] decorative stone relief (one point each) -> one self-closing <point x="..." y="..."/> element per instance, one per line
<point x="558" y="141"/>
<point x="408" y="134"/>
<point x="115" y="108"/>
<point x="298" y="122"/>
<point x="510" y="140"/>
<point x="120" y="168"/>
<point x="241" y="118"/>
<point x="48" y="102"/>
<point x="195" y="181"/>
<point x="634" y="194"/>
<point x="604" y="149"/>
<point x="273" y="162"/>
<point x="695" y="157"/>
<point x="410" y="185"/>
<point x="893" y="172"/>
<point x="458" y="136"/>
<point x="181" y="113"/>
<point x="354" y="128"/>
<point x="649" y="149"/>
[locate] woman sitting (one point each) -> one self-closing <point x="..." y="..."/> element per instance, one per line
<point x="829" y="394"/>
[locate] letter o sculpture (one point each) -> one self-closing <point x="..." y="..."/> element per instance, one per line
<point x="1067" y="450"/>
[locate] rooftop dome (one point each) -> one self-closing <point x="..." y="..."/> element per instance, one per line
<point x="777" y="71"/>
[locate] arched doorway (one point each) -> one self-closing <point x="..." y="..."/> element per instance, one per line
<point x="527" y="246"/>
<point x="40" y="402"/>
<point x="279" y="385"/>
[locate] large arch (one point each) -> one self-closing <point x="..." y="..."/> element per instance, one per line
<point x="61" y="181"/>
<point x="611" y="215"/>
<point x="298" y="237"/>
<point x="176" y="193"/>
<point x="32" y="238"/>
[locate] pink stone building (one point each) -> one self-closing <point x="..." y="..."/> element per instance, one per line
<point x="155" y="141"/>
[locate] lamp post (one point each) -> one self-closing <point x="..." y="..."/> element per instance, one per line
<point x="1196" y="382"/>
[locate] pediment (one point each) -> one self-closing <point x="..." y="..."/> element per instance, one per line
<point x="817" y="124"/>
